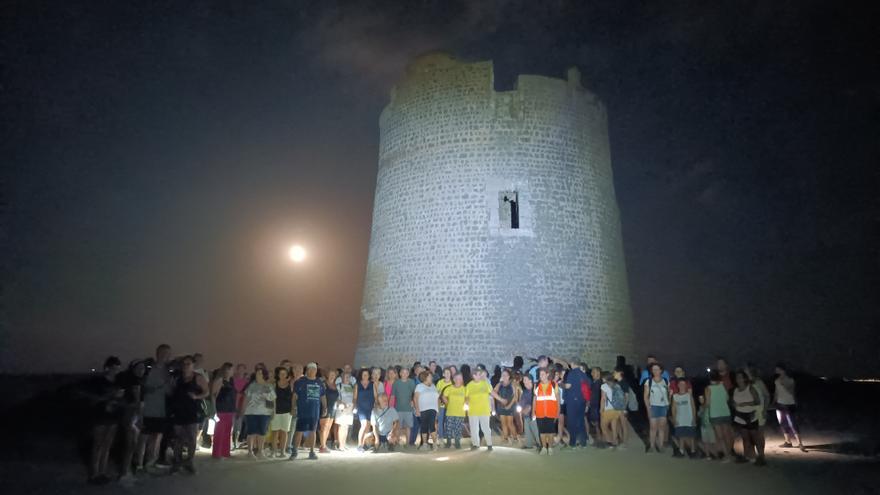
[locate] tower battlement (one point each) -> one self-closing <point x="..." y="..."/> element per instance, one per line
<point x="495" y="226"/>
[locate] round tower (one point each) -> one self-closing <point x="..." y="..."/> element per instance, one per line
<point x="495" y="226"/>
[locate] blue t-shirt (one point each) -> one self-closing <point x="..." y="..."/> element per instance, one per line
<point x="574" y="377"/>
<point x="308" y="397"/>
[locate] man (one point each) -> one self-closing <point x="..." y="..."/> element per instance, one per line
<point x="575" y="407"/>
<point x="416" y="423"/>
<point x="346" y="371"/>
<point x="296" y="372"/>
<point x="543" y="362"/>
<point x="386" y="422"/>
<point x="157" y="386"/>
<point x="311" y="403"/>
<point x="646" y="373"/>
<point x="403" y="391"/>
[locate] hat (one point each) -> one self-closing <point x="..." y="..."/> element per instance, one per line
<point x="312" y="365"/>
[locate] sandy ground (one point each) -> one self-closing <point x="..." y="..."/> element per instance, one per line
<point x="506" y="470"/>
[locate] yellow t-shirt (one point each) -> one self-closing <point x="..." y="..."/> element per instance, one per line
<point x="478" y="398"/>
<point x="440" y="386"/>
<point x="455" y="407"/>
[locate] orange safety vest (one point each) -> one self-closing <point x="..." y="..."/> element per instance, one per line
<point x="546" y="401"/>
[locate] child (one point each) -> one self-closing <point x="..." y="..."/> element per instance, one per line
<point x="707" y="433"/>
<point x="684" y="419"/>
<point x="386" y="422"/>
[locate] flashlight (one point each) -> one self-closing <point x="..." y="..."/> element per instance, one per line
<point x="354" y="411"/>
<point x="493" y="413"/>
<point x="466" y="407"/>
<point x="518" y="408"/>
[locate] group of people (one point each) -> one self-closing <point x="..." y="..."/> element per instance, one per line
<point x="166" y="404"/>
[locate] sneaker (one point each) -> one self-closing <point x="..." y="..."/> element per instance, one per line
<point x="313" y="456"/>
<point x="474" y="447"/>
<point x="280" y="455"/>
<point x="760" y="461"/>
<point x="741" y="460"/>
<point x="360" y="449"/>
<point x="127" y="480"/>
<point x="550" y="451"/>
<point x="293" y="455"/>
<point x="802" y="448"/>
<point x="540" y="450"/>
<point x="251" y="456"/>
<point x="489" y="448"/>
<point x="324" y="450"/>
<point x="458" y="444"/>
<point x="786" y="445"/>
<point x="725" y="460"/>
<point x="432" y="447"/>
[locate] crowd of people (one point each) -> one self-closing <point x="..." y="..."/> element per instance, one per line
<point x="173" y="404"/>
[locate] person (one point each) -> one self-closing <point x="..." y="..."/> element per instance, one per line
<point x="386" y="422"/>
<point x="575" y="406"/>
<point x="524" y="408"/>
<point x="717" y="400"/>
<point x="453" y="396"/>
<point x="445" y="381"/>
<point x="259" y="406"/>
<point x="786" y="407"/>
<point x="594" y="409"/>
<point x="131" y="381"/>
<point x="416" y="427"/>
<point x="279" y="426"/>
<point x="426" y="401"/>
<point x="106" y="401"/>
<point x="296" y="372"/>
<point x="542" y="362"/>
<point x="723" y="368"/>
<point x="345" y="407"/>
<point x="329" y="416"/>
<point x="311" y="403"/>
<point x="678" y="374"/>
<point x="612" y="404"/>
<point x="478" y="402"/>
<point x="746" y="403"/>
<point x="388" y="385"/>
<point x="656" y="396"/>
<point x="364" y="399"/>
<point x="645" y="375"/>
<point x="402" y="392"/>
<point x="156" y="387"/>
<point x="632" y="404"/>
<point x="190" y="388"/>
<point x="684" y="415"/>
<point x="224" y="396"/>
<point x="708" y="441"/>
<point x="240" y="381"/>
<point x="545" y="410"/>
<point x="505" y="406"/>
<point x="435" y="370"/>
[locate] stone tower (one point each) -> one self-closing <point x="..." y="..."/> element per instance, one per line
<point x="495" y="227"/>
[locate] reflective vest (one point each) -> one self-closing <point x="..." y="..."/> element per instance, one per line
<point x="546" y="401"/>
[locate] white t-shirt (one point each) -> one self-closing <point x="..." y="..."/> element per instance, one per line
<point x="785" y="391"/>
<point x="427" y="397"/>
<point x="609" y="392"/>
<point x="659" y="393"/>
<point x="383" y="420"/>
<point x="684" y="415"/>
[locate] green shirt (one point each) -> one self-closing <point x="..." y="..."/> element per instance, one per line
<point x="403" y="390"/>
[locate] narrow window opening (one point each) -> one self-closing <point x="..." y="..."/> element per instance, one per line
<point x="510" y="209"/>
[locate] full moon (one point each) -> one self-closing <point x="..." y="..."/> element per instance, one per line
<point x="297" y="253"/>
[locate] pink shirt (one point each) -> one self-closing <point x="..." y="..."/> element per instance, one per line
<point x="392" y="400"/>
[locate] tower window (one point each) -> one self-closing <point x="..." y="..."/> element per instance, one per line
<point x="509" y="209"/>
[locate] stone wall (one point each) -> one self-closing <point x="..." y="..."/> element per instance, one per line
<point x="447" y="278"/>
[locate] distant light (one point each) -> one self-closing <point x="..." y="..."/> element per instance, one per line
<point x="93" y="370"/>
<point x="297" y="253"/>
<point x="441" y="459"/>
<point x="708" y="370"/>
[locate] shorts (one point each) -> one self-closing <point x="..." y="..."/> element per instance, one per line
<point x="281" y="422"/>
<point x="257" y="424"/>
<point x="720" y="420"/>
<point x="406" y="419"/>
<point x="658" y="412"/>
<point x="685" y="432"/>
<point x="426" y="421"/>
<point x="154" y="426"/>
<point x="609" y="417"/>
<point x="546" y="426"/>
<point x="344" y="416"/>
<point x="306" y="425"/>
<point x="748" y="426"/>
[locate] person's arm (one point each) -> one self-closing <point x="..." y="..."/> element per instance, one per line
<point x="646" y="395"/>
<point x="323" y="405"/>
<point x="203" y="388"/>
<point x="216" y="385"/>
<point x="534" y="403"/>
<point x="416" y="404"/>
<point x="693" y="412"/>
<point x="354" y="396"/>
<point x="561" y="361"/>
<point x="603" y="401"/>
<point x="674" y="410"/>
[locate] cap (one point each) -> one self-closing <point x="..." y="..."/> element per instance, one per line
<point x="311" y="365"/>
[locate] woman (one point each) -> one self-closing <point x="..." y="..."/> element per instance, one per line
<point x="224" y="395"/>
<point x="623" y="420"/>
<point x="784" y="399"/>
<point x="331" y="392"/>
<point x="279" y="426"/>
<point x="258" y="409"/>
<point x="611" y="409"/>
<point x="504" y="406"/>
<point x="656" y="396"/>
<point x="426" y="401"/>
<point x="240" y="381"/>
<point x="187" y="414"/>
<point x="480" y="407"/>
<point x="106" y="399"/>
<point x="364" y="399"/>
<point x="562" y="434"/>
<point x="545" y="410"/>
<point x="524" y="408"/>
<point x="445" y="381"/>
<point x="131" y="381"/>
<point x="454" y="397"/>
<point x="388" y="385"/>
<point x="719" y="414"/>
<point x="746" y="403"/>
<point x="345" y="408"/>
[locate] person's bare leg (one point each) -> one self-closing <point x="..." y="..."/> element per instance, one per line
<point x="342" y="436"/>
<point x="132" y="436"/>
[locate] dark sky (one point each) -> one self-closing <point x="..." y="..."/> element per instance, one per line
<point x="158" y="158"/>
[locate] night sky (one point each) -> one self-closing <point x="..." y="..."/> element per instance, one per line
<point x="159" y="157"/>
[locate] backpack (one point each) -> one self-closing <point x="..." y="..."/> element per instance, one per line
<point x="618" y="398"/>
